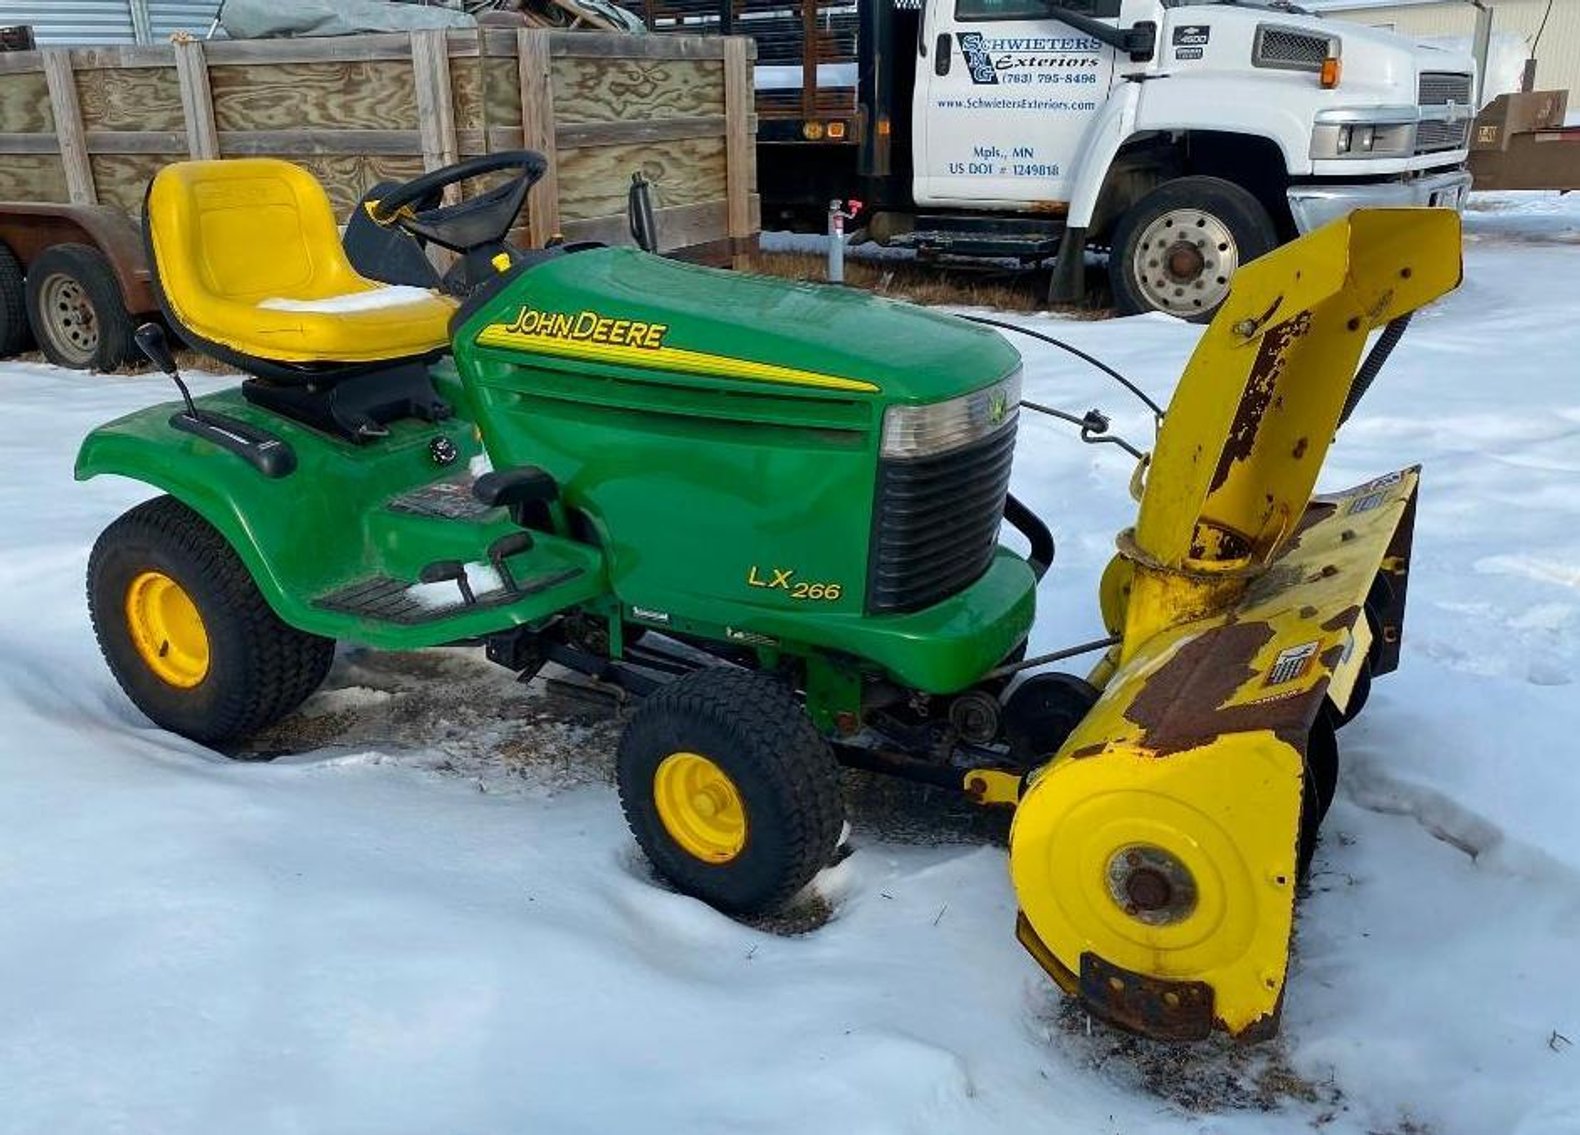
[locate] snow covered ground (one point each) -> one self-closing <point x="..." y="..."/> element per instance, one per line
<point x="437" y="923"/>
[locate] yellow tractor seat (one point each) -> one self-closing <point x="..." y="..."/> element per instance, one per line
<point x="248" y="258"/>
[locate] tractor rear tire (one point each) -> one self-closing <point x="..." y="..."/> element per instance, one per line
<point x="186" y="632"/>
<point x="1178" y="248"/>
<point x="75" y="309"/>
<point x="729" y="790"/>
<point x="14" y="335"/>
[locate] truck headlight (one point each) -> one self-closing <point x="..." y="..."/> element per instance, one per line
<point x="1336" y="138"/>
<point x="921" y="431"/>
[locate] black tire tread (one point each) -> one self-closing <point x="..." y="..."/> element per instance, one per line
<point x="14" y="330"/>
<point x="284" y="665"/>
<point x="763" y="714"/>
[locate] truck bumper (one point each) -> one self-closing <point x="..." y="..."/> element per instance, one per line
<point x="1315" y="205"/>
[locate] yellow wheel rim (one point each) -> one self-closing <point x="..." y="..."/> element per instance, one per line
<point x="167" y="630"/>
<point x="700" y="807"/>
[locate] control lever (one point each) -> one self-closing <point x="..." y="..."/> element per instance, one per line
<point x="510" y="544"/>
<point x="441" y="571"/>
<point x="151" y="341"/>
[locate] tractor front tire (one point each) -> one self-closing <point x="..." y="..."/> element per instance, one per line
<point x="13" y="305"/>
<point x="1178" y="248"/>
<point x="729" y="790"/>
<point x="186" y="632"/>
<point x="75" y="309"/>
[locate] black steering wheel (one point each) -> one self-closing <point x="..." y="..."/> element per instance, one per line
<point x="477" y="222"/>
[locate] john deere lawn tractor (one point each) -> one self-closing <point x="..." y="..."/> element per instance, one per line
<point x="770" y="513"/>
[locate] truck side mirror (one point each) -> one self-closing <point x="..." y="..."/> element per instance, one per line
<point x="941" y="60"/>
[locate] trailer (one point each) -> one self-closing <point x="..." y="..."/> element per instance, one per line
<point x="83" y="130"/>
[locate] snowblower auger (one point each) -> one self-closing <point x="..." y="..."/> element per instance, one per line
<point x="1155" y="856"/>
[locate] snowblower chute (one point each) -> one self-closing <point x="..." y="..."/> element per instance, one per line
<point x="1155" y="856"/>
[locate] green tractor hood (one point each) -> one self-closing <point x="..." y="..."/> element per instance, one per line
<point x="623" y="308"/>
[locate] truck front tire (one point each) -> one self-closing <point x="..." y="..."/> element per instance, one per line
<point x="1177" y="249"/>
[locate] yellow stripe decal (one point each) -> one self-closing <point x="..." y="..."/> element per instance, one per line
<point x="665" y="358"/>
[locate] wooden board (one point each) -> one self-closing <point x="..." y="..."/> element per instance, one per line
<point x="593" y="182"/>
<point x="504" y="92"/>
<point x="24" y="104"/>
<point x="122" y="179"/>
<point x="301" y="96"/>
<point x="141" y="98"/>
<point x="348" y="177"/>
<point x="634" y="90"/>
<point x="32" y="177"/>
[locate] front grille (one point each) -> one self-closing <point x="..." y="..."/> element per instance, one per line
<point x="1431" y="136"/>
<point x="935" y="522"/>
<point x="1290" y="49"/>
<point x="1438" y="88"/>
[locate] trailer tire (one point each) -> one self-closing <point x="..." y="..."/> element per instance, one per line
<point x="75" y="309"/>
<point x="729" y="790"/>
<point x="225" y="665"/>
<point x="1178" y="248"/>
<point x="13" y="305"/>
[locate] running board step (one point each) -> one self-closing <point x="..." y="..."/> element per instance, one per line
<point x="388" y="600"/>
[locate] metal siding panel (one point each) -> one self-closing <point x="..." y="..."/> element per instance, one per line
<point x="72" y="21"/>
<point x="171" y="16"/>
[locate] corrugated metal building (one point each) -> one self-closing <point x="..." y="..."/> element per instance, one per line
<point x="1557" y="53"/>
<point x="109" y="21"/>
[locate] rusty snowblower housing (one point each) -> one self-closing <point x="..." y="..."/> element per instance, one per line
<point x="1155" y="855"/>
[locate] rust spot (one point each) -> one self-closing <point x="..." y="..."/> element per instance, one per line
<point x="1300" y="448"/>
<point x="1055" y="208"/>
<point x="1260" y="388"/>
<point x="1307" y="611"/>
<point x="1344" y="619"/>
<point x="1182" y="705"/>
<point x="1151" y="1006"/>
<point x="1089" y="751"/>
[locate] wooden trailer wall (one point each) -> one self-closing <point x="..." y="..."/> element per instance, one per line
<point x="92" y="125"/>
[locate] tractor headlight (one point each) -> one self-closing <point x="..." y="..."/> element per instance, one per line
<point x="920" y="431"/>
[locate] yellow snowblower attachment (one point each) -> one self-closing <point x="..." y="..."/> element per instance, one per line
<point x="1155" y="855"/>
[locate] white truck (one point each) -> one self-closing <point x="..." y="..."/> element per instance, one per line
<point x="1185" y="138"/>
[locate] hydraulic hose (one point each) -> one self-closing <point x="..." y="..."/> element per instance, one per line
<point x="1372" y="365"/>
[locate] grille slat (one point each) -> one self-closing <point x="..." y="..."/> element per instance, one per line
<point x="1431" y="136"/>
<point x="936" y="522"/>
<point x="1438" y="88"/>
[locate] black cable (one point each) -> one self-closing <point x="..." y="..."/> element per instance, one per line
<point x="1056" y="656"/>
<point x="1076" y="351"/>
<point x="1537" y="41"/>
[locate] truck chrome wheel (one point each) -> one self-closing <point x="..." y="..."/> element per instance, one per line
<point x="1178" y="248"/>
<point x="1184" y="261"/>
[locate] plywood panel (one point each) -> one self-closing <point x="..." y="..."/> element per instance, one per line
<point x="348" y="177"/>
<point x="290" y="96"/>
<point x="139" y="98"/>
<point x="593" y="182"/>
<point x="122" y="179"/>
<point x="504" y="92"/>
<point x="627" y="90"/>
<point x="32" y="177"/>
<point x="24" y="104"/>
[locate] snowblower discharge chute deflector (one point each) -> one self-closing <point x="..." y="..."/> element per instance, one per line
<point x="1155" y="856"/>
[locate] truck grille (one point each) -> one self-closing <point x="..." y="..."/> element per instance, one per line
<point x="1438" y="88"/>
<point x="1430" y="136"/>
<point x="936" y="520"/>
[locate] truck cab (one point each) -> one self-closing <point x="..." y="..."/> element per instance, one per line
<point x="1185" y="138"/>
